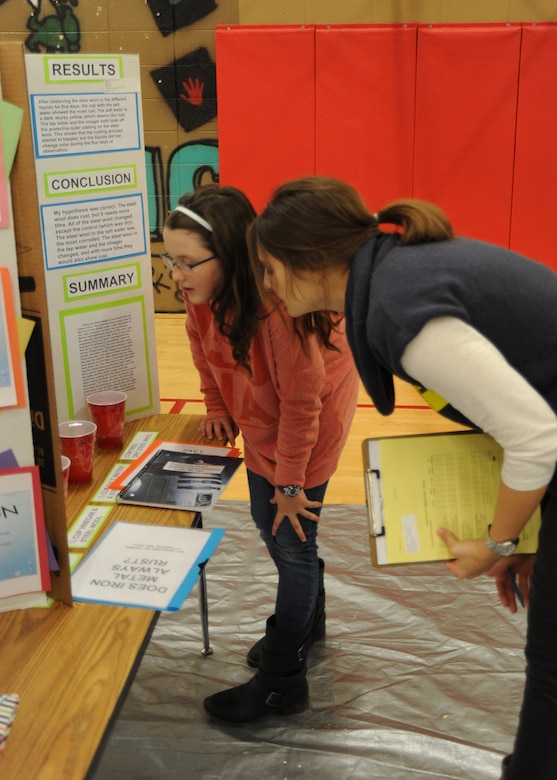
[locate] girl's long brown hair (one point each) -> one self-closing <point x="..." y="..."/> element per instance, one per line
<point x="240" y="303"/>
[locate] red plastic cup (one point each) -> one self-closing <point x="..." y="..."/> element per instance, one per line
<point x="107" y="410"/>
<point x="66" y="463"/>
<point x="77" y="442"/>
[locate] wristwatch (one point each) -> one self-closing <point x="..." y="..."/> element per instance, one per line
<point x="504" y="549"/>
<point x="289" y="490"/>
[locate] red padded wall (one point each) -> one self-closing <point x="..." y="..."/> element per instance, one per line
<point x="534" y="206"/>
<point x="365" y="90"/>
<point x="266" y="106"/>
<point x="466" y="102"/>
<point x="462" y="115"/>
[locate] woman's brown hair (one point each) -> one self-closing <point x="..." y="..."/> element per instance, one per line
<point x="316" y="223"/>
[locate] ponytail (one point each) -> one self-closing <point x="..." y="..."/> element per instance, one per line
<point x="316" y="224"/>
<point x="421" y="222"/>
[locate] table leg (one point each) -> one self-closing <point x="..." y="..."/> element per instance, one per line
<point x="203" y="606"/>
<point x="204" y="611"/>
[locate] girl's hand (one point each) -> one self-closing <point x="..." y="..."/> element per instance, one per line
<point x="291" y="507"/>
<point x="471" y="556"/>
<point x="521" y="569"/>
<point x="222" y="428"/>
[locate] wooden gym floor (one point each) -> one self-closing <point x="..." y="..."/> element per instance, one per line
<point x="179" y="391"/>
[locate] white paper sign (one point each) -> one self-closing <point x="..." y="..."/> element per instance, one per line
<point x="147" y="566"/>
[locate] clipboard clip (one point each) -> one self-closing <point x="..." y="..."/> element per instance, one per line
<point x="374" y="499"/>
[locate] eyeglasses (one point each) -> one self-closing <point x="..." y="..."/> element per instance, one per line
<point x="181" y="265"/>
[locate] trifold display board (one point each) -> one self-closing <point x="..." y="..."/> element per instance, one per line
<point x="80" y="214"/>
<point x="89" y="161"/>
<point x="459" y="114"/>
<point x="17" y="448"/>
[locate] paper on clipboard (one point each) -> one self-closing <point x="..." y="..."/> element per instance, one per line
<point x="416" y="484"/>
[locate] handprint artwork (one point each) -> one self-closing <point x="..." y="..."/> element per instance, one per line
<point x="194" y="91"/>
<point x="189" y="88"/>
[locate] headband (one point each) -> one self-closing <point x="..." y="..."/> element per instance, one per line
<point x="192" y="215"/>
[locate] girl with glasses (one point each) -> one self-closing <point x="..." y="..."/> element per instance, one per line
<point x="290" y="386"/>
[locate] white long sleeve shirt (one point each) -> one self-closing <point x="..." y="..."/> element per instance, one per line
<point x="469" y="372"/>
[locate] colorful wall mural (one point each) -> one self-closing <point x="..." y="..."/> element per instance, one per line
<point x="175" y="43"/>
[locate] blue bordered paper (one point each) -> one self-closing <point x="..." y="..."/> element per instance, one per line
<point x="149" y="566"/>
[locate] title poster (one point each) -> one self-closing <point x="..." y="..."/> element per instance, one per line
<point x="16" y="442"/>
<point x="11" y="375"/>
<point x="23" y="551"/>
<point x="92" y="191"/>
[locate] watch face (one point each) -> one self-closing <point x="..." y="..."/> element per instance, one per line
<point x="291" y="490"/>
<point x="502" y="548"/>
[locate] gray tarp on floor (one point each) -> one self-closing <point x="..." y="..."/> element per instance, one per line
<point x="421" y="675"/>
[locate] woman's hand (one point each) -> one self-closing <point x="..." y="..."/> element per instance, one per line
<point x="291" y="507"/>
<point x="471" y="556"/>
<point x="222" y="428"/>
<point x="521" y="569"/>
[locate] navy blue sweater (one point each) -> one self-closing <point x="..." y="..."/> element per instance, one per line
<point x="393" y="291"/>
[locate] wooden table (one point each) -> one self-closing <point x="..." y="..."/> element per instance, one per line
<point x="72" y="666"/>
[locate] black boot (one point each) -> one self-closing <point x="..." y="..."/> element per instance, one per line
<point x="317" y="630"/>
<point x="279" y="685"/>
<point x="505" y="765"/>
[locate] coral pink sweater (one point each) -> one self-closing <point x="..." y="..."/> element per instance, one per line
<point x="294" y="412"/>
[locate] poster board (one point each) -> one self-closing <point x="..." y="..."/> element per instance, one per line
<point x="29" y="431"/>
<point x="91" y="303"/>
<point x="89" y="161"/>
<point x="17" y="450"/>
<point x="416" y="484"/>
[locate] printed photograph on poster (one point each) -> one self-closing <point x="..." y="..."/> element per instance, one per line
<point x="11" y="376"/>
<point x="23" y="552"/>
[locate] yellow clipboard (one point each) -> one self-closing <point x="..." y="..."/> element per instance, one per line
<point x="416" y="484"/>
